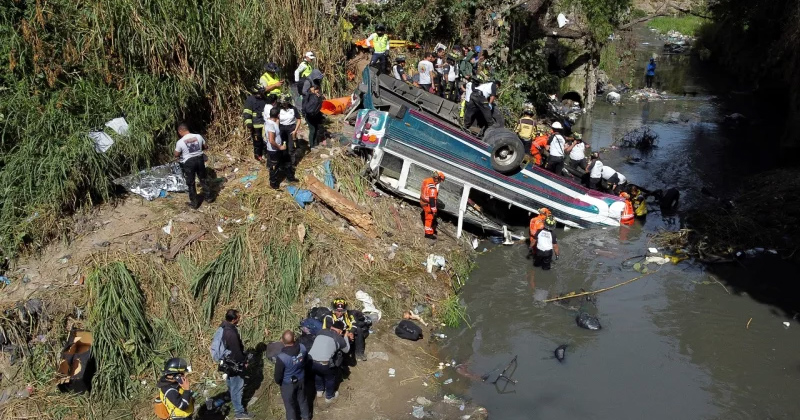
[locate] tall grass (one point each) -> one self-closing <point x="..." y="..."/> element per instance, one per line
<point x="67" y="67"/>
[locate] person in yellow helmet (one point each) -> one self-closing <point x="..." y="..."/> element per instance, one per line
<point x="356" y="327"/>
<point x="270" y="80"/>
<point x="174" y="390"/>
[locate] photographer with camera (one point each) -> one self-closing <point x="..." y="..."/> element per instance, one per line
<point x="176" y="400"/>
<point x="234" y="362"/>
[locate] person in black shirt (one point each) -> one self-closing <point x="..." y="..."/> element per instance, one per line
<point x="290" y="369"/>
<point x="254" y="120"/>
<point x="233" y="343"/>
<point x="312" y="106"/>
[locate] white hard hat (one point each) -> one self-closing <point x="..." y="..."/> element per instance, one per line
<point x="557" y="126"/>
<point x="310" y="55"/>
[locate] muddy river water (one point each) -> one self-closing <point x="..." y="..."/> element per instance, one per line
<point x="673" y="345"/>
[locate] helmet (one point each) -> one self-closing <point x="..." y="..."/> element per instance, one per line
<point x="624" y="195"/>
<point x="438" y="174"/>
<point x="339" y="303"/>
<point x="545" y="211"/>
<point x="175" y="365"/>
<point x="259" y="88"/>
<point x="577" y="136"/>
<point x="477" y="48"/>
<point x="557" y="126"/>
<point x="380" y="28"/>
<point x="271" y="67"/>
<point x="550" y="222"/>
<point x="400" y="59"/>
<point x="595" y="155"/>
<point x="286" y="98"/>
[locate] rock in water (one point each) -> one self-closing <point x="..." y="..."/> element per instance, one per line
<point x="560" y="352"/>
<point x="584" y="320"/>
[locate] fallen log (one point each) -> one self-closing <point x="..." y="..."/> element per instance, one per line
<point x="342" y="206"/>
<point x="173" y="252"/>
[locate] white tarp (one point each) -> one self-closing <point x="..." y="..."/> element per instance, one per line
<point x="367" y="304"/>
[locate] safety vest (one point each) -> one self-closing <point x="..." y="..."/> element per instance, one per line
<point x="544" y="240"/>
<point x="172" y="409"/>
<point x="640" y="206"/>
<point x="537" y="224"/>
<point x="428" y="191"/>
<point x="381" y="43"/>
<point x="266" y="80"/>
<point x="525" y="128"/>
<point x="627" y="214"/>
<point x="346" y="318"/>
<point x="294" y="365"/>
<point x="307" y="70"/>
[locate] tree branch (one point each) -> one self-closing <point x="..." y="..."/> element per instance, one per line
<point x="659" y="12"/>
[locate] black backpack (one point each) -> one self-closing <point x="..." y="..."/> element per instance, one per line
<point x="319" y="313"/>
<point x="408" y="330"/>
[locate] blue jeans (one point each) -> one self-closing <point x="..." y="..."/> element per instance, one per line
<point x="235" y="388"/>
<point x="324" y="379"/>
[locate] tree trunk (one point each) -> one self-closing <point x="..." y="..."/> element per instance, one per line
<point x="590" y="92"/>
<point x="341" y="205"/>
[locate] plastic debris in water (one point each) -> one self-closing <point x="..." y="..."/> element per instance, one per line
<point x="448" y="382"/>
<point x="786" y="324"/>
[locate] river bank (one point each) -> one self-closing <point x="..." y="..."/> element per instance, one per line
<point x="288" y="259"/>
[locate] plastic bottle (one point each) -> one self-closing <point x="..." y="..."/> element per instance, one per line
<point x="209" y="401"/>
<point x="440" y="335"/>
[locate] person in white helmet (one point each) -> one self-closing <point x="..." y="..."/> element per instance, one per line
<point x="556" y="146"/>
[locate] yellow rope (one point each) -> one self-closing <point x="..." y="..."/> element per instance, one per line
<point x="601" y="290"/>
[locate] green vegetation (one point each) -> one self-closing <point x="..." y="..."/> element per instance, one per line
<point x="122" y="334"/>
<point x="217" y="278"/>
<point x="687" y="24"/>
<point x="452" y="312"/>
<point x="65" y="70"/>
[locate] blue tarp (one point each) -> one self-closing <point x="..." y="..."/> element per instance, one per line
<point x="302" y="197"/>
<point x="329" y="179"/>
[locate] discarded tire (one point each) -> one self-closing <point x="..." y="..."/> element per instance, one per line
<point x="507" y="149"/>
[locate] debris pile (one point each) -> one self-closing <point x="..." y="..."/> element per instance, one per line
<point x="648" y="94"/>
<point x="642" y="138"/>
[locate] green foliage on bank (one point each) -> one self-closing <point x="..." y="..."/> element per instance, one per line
<point x="68" y="66"/>
<point x="686" y="25"/>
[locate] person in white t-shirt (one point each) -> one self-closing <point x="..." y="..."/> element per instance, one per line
<point x="556" y="148"/>
<point x="289" y="124"/>
<point x="277" y="159"/>
<point x="189" y="151"/>
<point x="595" y="170"/>
<point x="614" y="180"/>
<point x="426" y="73"/>
<point x="480" y="105"/>
<point x="577" y="152"/>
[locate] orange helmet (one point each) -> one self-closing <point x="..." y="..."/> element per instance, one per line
<point x="439" y="175"/>
<point x="624" y="195"/>
<point x="545" y="211"/>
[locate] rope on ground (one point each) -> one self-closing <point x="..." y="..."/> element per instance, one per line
<point x="594" y="292"/>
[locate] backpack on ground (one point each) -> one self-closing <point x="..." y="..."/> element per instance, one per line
<point x="218" y="350"/>
<point x="319" y="313"/>
<point x="408" y="330"/>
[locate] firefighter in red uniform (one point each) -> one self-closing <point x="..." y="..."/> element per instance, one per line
<point x="428" y="199"/>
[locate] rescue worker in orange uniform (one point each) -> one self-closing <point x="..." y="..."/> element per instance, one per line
<point x="537" y="223"/>
<point x="428" y="199"/>
<point x="627" y="214"/>
<point x="538" y="146"/>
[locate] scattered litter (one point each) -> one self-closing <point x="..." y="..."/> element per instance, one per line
<point x="5" y="280"/>
<point x="168" y="228"/>
<point x="448" y="382"/>
<point x="64" y="259"/>
<point x="248" y="185"/>
<point x="368" y="306"/>
<point x="647" y="94"/>
<point x="379" y="355"/>
<point x="329" y="180"/>
<point x="786" y="324"/>
<point x="263" y="228"/>
<point x="251" y="218"/>
<point x="440" y="335"/>
<point x="447" y="364"/>
<point x="653" y="250"/>
<point x="462" y="407"/>
<point x="424" y="401"/>
<point x="435" y="260"/>
<point x="219" y="229"/>
<point x="150" y="182"/>
<point x="119" y="125"/>
<point x="657" y="260"/>
<point x="235" y="170"/>
<point x="102" y="141"/>
<point x="391" y="372"/>
<point x="475" y="243"/>
<point x="424" y="383"/>
<point x="418" y="412"/>
<point x="247" y="179"/>
<point x="613" y="97"/>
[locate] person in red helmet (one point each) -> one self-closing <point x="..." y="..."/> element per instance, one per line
<point x="428" y="199"/>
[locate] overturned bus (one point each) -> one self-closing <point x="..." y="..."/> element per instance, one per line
<point x="411" y="133"/>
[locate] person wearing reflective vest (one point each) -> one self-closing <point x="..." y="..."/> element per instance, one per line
<point x="544" y="245"/>
<point x="254" y="120"/>
<point x="356" y="326"/>
<point x="639" y="202"/>
<point x="627" y="214"/>
<point x="270" y="80"/>
<point x="379" y="42"/>
<point x="290" y="367"/>
<point x="538" y="146"/>
<point x="174" y="393"/>
<point x="525" y="127"/>
<point x="428" y="199"/>
<point x="537" y="223"/>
